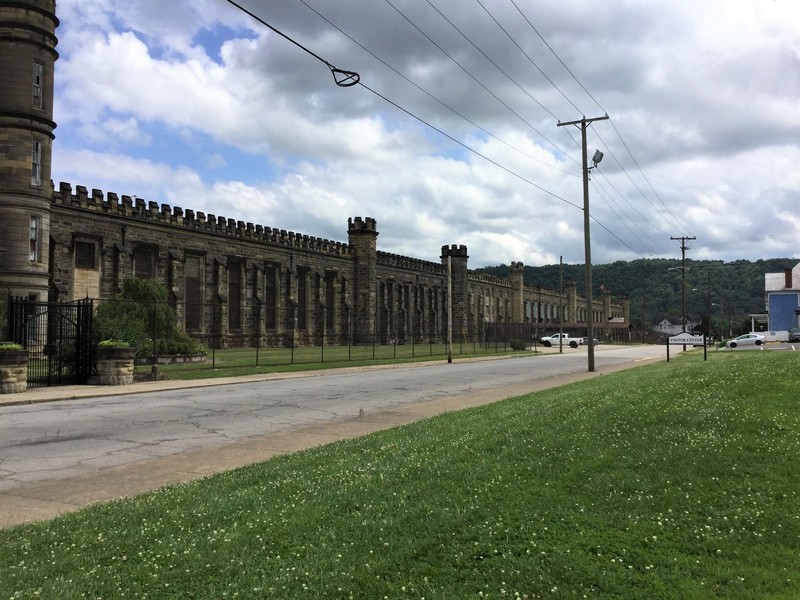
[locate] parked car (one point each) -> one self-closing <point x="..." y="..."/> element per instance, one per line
<point x="794" y="334"/>
<point x="748" y="339"/>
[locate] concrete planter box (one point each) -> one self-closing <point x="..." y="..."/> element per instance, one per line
<point x="114" y="366"/>
<point x="13" y="371"/>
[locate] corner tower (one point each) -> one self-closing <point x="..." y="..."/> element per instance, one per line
<point x="27" y="59"/>
<point x="363" y="240"/>
<point x="459" y="275"/>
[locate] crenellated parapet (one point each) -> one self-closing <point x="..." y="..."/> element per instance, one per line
<point x="455" y="251"/>
<point x="134" y="208"/>
<point x="358" y="225"/>
<point x="386" y="259"/>
<point x="486" y="279"/>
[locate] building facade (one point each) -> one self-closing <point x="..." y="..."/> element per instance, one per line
<point x="228" y="280"/>
<point x="782" y="292"/>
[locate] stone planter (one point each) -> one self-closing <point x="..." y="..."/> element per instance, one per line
<point x="114" y="366"/>
<point x="13" y="371"/>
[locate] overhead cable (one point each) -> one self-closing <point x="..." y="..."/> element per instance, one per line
<point x="342" y="77"/>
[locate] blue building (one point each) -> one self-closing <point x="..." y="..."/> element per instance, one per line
<point x="783" y="299"/>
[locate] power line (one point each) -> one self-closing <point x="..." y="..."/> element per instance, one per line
<point x="528" y="57"/>
<point x="480" y="83"/>
<point x="557" y="57"/>
<point x="340" y="76"/>
<point x="429" y="94"/>
<point x="619" y="135"/>
<point x="469" y="148"/>
<point x="423" y="121"/>
<point x="486" y="56"/>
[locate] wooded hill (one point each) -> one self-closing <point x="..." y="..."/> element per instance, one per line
<point x="654" y="285"/>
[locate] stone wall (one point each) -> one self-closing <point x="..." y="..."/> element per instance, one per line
<point x="235" y="283"/>
<point x="13" y="371"/>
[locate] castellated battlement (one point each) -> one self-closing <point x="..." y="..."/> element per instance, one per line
<point x="455" y="251"/>
<point x="485" y="278"/>
<point x="164" y="214"/>
<point x="386" y="259"/>
<point x="359" y="225"/>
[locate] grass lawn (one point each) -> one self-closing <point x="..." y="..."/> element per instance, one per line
<point x="246" y="361"/>
<point x="674" y="480"/>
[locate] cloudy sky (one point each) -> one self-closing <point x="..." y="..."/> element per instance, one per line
<point x="451" y="136"/>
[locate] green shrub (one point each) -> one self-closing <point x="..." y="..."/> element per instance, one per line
<point x="518" y="345"/>
<point x="10" y="347"/>
<point x="138" y="314"/>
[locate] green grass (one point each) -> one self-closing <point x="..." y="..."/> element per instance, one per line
<point x="675" y="480"/>
<point x="245" y="361"/>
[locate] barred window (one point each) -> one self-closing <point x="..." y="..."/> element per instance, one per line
<point x="85" y="255"/>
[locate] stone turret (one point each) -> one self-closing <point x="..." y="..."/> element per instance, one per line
<point x="572" y="302"/>
<point x="363" y="239"/>
<point x="27" y="59"/>
<point x="516" y="271"/>
<point x="459" y="274"/>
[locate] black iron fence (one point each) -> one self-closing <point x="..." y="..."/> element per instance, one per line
<point x="58" y="338"/>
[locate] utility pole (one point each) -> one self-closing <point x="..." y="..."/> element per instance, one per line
<point x="561" y="304"/>
<point x="582" y="124"/>
<point x="684" y="248"/>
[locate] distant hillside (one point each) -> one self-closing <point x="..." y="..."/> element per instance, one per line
<point x="654" y="285"/>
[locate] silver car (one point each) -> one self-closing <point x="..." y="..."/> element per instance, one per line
<point x="748" y="339"/>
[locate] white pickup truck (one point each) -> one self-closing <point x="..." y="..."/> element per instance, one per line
<point x="561" y="338"/>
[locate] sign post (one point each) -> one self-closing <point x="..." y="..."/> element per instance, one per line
<point x="687" y="339"/>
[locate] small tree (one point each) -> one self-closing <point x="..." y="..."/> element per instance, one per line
<point x="139" y="314"/>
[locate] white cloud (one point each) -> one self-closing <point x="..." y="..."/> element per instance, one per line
<point x="166" y="100"/>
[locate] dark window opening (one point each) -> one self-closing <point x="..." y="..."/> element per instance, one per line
<point x="234" y="294"/>
<point x="330" y="300"/>
<point x="194" y="293"/>
<point x="144" y="262"/>
<point x="271" y="297"/>
<point x="85" y="255"/>
<point x="302" y="299"/>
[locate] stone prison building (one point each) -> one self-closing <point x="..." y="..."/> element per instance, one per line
<point x="229" y="280"/>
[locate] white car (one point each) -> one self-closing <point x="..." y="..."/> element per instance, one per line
<point x="748" y="339"/>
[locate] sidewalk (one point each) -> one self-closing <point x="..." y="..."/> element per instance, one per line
<point x="45" y="500"/>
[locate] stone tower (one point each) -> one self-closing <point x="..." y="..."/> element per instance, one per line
<point x="516" y="275"/>
<point x="363" y="239"/>
<point x="459" y="272"/>
<point x="27" y="58"/>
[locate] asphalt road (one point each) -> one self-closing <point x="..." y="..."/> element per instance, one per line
<point x="57" y="440"/>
